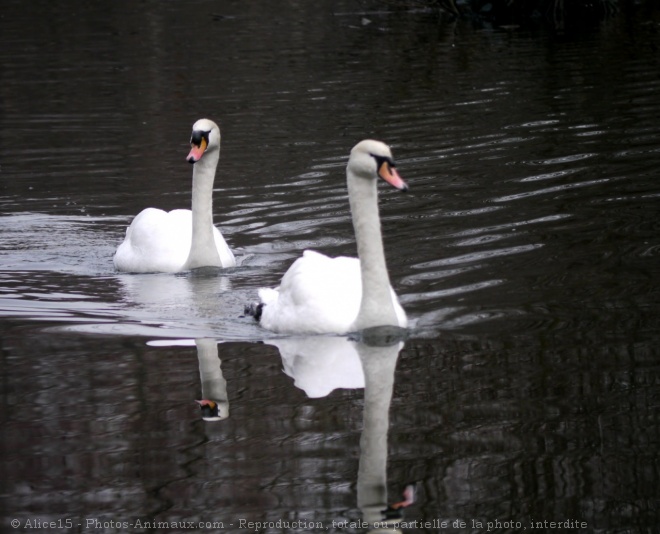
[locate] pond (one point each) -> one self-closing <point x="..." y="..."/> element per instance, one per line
<point x="525" y="395"/>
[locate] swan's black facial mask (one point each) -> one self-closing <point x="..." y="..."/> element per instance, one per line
<point x="387" y="171"/>
<point x="198" y="136"/>
<point x="383" y="159"/>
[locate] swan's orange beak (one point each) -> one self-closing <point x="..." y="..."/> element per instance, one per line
<point x="389" y="174"/>
<point x="196" y="152"/>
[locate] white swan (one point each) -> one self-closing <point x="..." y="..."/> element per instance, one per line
<point x="322" y="295"/>
<point x="179" y="240"/>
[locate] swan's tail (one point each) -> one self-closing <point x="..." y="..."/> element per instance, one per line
<point x="267" y="295"/>
<point x="254" y="309"/>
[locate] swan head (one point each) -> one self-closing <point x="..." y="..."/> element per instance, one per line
<point x="205" y="138"/>
<point x="372" y="159"/>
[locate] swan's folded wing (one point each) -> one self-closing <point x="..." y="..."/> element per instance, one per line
<point x="226" y="255"/>
<point x="156" y="241"/>
<point x="318" y="294"/>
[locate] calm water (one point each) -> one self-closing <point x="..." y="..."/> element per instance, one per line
<point x="526" y="254"/>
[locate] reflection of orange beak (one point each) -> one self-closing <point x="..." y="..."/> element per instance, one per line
<point x="408" y="498"/>
<point x="389" y="174"/>
<point x="196" y="152"/>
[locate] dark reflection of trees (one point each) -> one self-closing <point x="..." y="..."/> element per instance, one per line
<point x="527" y="430"/>
<point x="557" y="14"/>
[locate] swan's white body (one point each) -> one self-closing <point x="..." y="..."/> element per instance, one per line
<point x="319" y="295"/>
<point x="160" y="241"/>
<point x="179" y="240"/>
<point x="322" y="295"/>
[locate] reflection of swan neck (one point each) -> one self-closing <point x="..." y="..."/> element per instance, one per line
<point x="379" y="364"/>
<point x="376" y="307"/>
<point x="203" y="250"/>
<point x="214" y="385"/>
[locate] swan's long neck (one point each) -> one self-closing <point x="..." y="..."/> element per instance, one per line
<point x="379" y="364"/>
<point x="376" y="308"/>
<point x="203" y="251"/>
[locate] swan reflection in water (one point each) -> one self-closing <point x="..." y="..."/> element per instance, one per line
<point x="214" y="404"/>
<point x="320" y="364"/>
<point x="197" y="289"/>
<point x="187" y="304"/>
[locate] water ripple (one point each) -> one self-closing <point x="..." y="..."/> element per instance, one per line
<point x="510" y="225"/>
<point x="477" y="256"/>
<point x="562" y="159"/>
<point x="551" y="175"/>
<point x="548" y="190"/>
<point x="444" y="293"/>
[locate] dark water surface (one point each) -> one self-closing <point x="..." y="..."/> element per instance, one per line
<point x="526" y="254"/>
